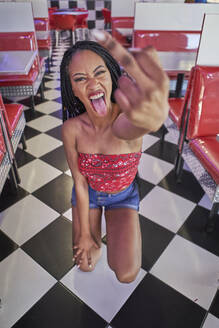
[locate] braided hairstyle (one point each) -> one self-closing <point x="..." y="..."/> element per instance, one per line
<point x="69" y="101"/>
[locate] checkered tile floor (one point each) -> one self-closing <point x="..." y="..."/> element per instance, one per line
<point x="39" y="286"/>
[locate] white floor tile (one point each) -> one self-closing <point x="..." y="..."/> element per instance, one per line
<point x="48" y="107"/>
<point x="189" y="269"/>
<point x="22" y="283"/>
<point x="166" y="208"/>
<point x="42" y="144"/>
<point x="37" y="173"/>
<point x="148" y="141"/>
<point x="52" y="94"/>
<point x="211" y="322"/>
<point x="44" y="123"/>
<point x="26" y="218"/>
<point x="100" y="289"/>
<point x="153" y="169"/>
<point x="68" y="173"/>
<point x="205" y="202"/>
<point x="52" y="84"/>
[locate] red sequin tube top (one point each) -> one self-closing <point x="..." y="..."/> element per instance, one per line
<point x="109" y="173"/>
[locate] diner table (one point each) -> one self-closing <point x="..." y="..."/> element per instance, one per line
<point x="16" y="62"/>
<point x="70" y="12"/>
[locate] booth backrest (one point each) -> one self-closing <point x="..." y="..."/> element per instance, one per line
<point x="121" y="22"/>
<point x="2" y="108"/>
<point x="204" y="106"/>
<point x="17" y="41"/>
<point x="204" y="103"/>
<point x="170" y="26"/>
<point x="41" y="24"/>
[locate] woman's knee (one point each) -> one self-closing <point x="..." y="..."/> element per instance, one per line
<point x="127" y="276"/>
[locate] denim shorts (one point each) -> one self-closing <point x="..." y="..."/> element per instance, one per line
<point x="128" y="198"/>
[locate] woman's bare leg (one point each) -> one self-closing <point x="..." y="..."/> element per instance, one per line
<point x="124" y="245"/>
<point x="95" y="228"/>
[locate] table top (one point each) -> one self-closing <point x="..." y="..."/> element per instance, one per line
<point x="16" y="62"/>
<point x="125" y="31"/>
<point x="171" y="61"/>
<point x="181" y="62"/>
<point x="65" y="12"/>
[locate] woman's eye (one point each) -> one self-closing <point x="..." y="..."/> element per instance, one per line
<point x="79" y="79"/>
<point x="99" y="73"/>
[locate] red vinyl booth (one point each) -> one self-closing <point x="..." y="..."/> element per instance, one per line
<point x="200" y="126"/>
<point x="122" y="22"/>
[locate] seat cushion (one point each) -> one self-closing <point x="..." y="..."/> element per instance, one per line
<point x="13" y="80"/>
<point x="44" y="43"/>
<point x="176" y="109"/>
<point x="14" y="112"/>
<point x="206" y="150"/>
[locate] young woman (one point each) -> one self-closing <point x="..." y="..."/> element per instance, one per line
<point x="110" y="114"/>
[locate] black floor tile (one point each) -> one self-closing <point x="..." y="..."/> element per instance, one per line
<point x="154" y="304"/>
<point x="22" y="157"/>
<point x="37" y="101"/>
<point x="214" y="309"/>
<point x="194" y="230"/>
<point x="154" y="241"/>
<point x="56" y="158"/>
<point x="57" y="114"/>
<point x="7" y="246"/>
<point x="58" y="100"/>
<point x="144" y="187"/>
<point x="52" y="247"/>
<point x="60" y="308"/>
<point x="7" y="198"/>
<point x="55" y="132"/>
<point x="165" y="151"/>
<point x="57" y="193"/>
<point x="30" y="132"/>
<point x="31" y="114"/>
<point x="189" y="188"/>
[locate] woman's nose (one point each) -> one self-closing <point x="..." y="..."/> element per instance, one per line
<point x="92" y="82"/>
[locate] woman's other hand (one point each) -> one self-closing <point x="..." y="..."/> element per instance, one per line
<point x="144" y="98"/>
<point x="82" y="251"/>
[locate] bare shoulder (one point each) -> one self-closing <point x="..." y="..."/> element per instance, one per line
<point x="72" y="126"/>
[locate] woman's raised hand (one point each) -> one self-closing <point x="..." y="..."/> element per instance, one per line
<point x="144" y="98"/>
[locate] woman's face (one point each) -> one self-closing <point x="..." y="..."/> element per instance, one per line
<point x="91" y="82"/>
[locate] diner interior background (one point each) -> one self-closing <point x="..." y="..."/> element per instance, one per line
<point x="40" y="287"/>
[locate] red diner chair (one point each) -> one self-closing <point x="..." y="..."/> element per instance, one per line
<point x="65" y="23"/>
<point x="81" y="23"/>
<point x="107" y="18"/>
<point x="6" y="167"/>
<point x="15" y="123"/>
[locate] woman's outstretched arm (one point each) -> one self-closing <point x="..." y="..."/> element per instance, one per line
<point x="143" y="100"/>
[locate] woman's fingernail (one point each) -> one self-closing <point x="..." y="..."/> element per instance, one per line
<point x="98" y="35"/>
<point x="90" y="266"/>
